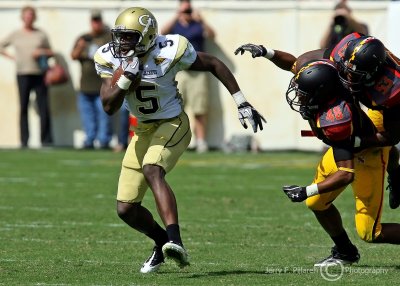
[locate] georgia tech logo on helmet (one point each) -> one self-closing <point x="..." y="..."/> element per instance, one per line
<point x="146" y="21"/>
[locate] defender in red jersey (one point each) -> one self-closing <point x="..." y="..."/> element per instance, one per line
<point x="372" y="73"/>
<point x="318" y="95"/>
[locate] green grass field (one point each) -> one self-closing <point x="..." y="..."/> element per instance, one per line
<point x="58" y="224"/>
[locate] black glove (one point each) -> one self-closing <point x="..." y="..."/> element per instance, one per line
<point x="255" y="50"/>
<point x="295" y="193"/>
<point x="246" y="111"/>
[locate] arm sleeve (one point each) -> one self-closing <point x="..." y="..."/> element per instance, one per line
<point x="103" y="67"/>
<point x="189" y="54"/>
<point x="342" y="154"/>
<point x="5" y="42"/>
<point x="45" y="41"/>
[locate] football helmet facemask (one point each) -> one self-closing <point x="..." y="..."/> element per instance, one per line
<point x="134" y="33"/>
<point x="313" y="86"/>
<point x="362" y="60"/>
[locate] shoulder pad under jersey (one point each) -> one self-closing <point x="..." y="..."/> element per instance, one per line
<point x="336" y="121"/>
<point x="171" y="51"/>
<point x="105" y="63"/>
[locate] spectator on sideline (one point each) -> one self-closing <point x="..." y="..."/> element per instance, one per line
<point x="342" y="24"/>
<point x="123" y="131"/>
<point x="32" y="49"/>
<point x="97" y="124"/>
<point x="193" y="85"/>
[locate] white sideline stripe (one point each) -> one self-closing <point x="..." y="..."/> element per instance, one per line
<point x="15" y="179"/>
<point x="74" y="240"/>
<point x="78" y="241"/>
<point x="47" y="225"/>
<point x="61" y="225"/>
<point x="304" y="162"/>
<point x="69" y="261"/>
<point x="49" y="209"/>
<point x="10" y="227"/>
<point x="48" y="284"/>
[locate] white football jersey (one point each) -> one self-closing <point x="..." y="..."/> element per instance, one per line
<point x="157" y="96"/>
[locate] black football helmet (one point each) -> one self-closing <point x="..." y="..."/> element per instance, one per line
<point x="314" y="86"/>
<point x="362" y="60"/>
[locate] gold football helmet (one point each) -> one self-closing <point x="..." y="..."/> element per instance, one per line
<point x="134" y="32"/>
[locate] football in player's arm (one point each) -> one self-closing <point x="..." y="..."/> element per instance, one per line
<point x="113" y="94"/>
<point x="138" y="68"/>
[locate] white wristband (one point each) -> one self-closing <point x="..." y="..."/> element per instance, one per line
<point x="357" y="141"/>
<point x="270" y="53"/>
<point x="239" y="98"/>
<point x="312" y="190"/>
<point x="124" y="82"/>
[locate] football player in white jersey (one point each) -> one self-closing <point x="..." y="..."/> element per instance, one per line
<point x="149" y="63"/>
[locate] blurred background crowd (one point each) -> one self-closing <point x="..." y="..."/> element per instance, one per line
<point x="37" y="34"/>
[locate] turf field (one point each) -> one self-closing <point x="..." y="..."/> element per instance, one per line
<point x="58" y="224"/>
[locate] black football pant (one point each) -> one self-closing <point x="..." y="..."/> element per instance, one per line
<point x="27" y="83"/>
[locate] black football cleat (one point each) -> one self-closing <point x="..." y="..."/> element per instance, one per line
<point x="337" y="258"/>
<point x="153" y="263"/>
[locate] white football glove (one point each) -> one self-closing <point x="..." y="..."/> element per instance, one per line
<point x="247" y="111"/>
<point x="357" y="141"/>
<point x="131" y="68"/>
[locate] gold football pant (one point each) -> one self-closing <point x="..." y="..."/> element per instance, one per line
<point x="368" y="188"/>
<point x="158" y="143"/>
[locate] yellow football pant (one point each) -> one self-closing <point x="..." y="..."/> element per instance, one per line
<point x="368" y="188"/>
<point x="159" y="143"/>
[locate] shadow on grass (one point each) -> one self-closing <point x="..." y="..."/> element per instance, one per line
<point x="289" y="270"/>
<point x="226" y="273"/>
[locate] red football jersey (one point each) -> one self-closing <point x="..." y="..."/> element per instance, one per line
<point x="386" y="90"/>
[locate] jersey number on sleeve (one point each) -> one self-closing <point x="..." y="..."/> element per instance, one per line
<point x="164" y="44"/>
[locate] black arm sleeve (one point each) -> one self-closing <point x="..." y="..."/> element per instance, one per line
<point x="341" y="154"/>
